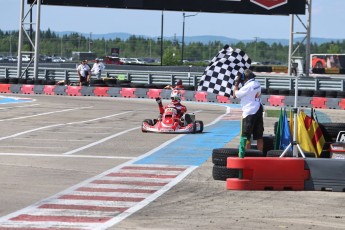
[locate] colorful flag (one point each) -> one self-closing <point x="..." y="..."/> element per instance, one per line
<point x="303" y="137"/>
<point x="315" y="134"/>
<point x="291" y="123"/>
<point x="285" y="138"/>
<point x="278" y="131"/>
<point x="310" y="136"/>
<point x="282" y="132"/>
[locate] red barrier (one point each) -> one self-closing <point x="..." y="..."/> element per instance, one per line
<point x="268" y="173"/>
<point x="49" y="89"/>
<point x="73" y="90"/>
<point x="153" y="93"/>
<point x="342" y="103"/>
<point x="128" y="92"/>
<point x="5" y="88"/>
<point x="276" y="100"/>
<point x="223" y="99"/>
<point x="201" y="96"/>
<point x="27" y="89"/>
<point x="101" y="91"/>
<point x="319" y="102"/>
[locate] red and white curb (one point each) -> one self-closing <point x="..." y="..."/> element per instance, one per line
<point x="101" y="201"/>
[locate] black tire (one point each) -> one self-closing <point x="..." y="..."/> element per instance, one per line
<point x="277" y="153"/>
<point x="148" y="121"/>
<point x="268" y="143"/>
<point x="220" y="155"/>
<point x="222" y="173"/>
<point x="330" y="130"/>
<point x="194" y="127"/>
<point x="201" y="124"/>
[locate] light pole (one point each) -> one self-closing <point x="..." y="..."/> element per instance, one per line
<point x="184" y="19"/>
<point x="256" y="40"/>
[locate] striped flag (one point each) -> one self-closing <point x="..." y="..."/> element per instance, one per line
<point x="308" y="127"/>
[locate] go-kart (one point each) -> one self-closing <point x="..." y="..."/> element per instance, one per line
<point x="171" y="123"/>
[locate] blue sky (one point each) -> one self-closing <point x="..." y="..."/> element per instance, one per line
<point x="327" y="19"/>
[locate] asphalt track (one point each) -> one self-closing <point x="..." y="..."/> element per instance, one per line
<point x="83" y="163"/>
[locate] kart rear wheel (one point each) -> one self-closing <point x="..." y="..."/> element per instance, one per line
<point x="194" y="127"/>
<point x="201" y="124"/>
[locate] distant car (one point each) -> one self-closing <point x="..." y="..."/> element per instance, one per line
<point x="135" y="61"/>
<point x="26" y="58"/>
<point x="11" y="59"/>
<point x="58" y="59"/>
<point x="112" y="60"/>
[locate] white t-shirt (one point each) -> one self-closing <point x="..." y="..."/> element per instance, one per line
<point x="250" y="95"/>
<point x="97" y="67"/>
<point x="83" y="69"/>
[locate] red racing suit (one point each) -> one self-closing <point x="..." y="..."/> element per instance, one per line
<point x="181" y="109"/>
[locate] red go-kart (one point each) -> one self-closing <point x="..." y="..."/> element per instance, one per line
<point x="171" y="123"/>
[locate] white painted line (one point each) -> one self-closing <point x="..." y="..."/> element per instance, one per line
<point x="111" y="194"/>
<point x="100" y="141"/>
<point x="100" y="118"/>
<point x="42" y="114"/>
<point x="22" y="106"/>
<point x="64" y="156"/>
<point x="30" y="131"/>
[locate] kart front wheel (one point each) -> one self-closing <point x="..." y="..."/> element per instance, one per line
<point x="149" y="122"/>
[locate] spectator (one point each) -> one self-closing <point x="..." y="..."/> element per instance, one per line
<point x="97" y="68"/>
<point x="83" y="71"/>
<point x="178" y="86"/>
<point x="252" y="109"/>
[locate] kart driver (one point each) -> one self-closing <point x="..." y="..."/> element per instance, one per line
<point x="175" y="103"/>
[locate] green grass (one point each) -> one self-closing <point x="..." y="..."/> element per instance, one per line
<point x="272" y="113"/>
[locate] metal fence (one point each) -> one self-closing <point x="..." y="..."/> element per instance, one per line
<point x="169" y="78"/>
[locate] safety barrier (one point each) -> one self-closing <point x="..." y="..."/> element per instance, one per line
<point x="297" y="174"/>
<point x="268" y="173"/>
<point x="187" y="95"/>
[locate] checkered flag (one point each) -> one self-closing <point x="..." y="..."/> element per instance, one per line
<point x="219" y="75"/>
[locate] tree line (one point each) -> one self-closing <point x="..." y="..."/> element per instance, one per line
<point x="53" y="44"/>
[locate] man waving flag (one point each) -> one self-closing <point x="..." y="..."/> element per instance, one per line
<point x="219" y="75"/>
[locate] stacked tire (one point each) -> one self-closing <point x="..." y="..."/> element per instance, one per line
<point x="219" y="160"/>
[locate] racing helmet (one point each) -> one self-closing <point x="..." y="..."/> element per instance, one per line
<point x="175" y="95"/>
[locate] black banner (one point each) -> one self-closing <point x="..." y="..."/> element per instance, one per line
<point x="268" y="7"/>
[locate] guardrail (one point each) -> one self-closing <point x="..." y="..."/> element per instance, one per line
<point x="191" y="79"/>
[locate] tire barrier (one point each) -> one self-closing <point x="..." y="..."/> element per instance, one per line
<point x="219" y="159"/>
<point x="268" y="173"/>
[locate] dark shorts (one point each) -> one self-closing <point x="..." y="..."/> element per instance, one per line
<point x="253" y="125"/>
<point x="82" y="79"/>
